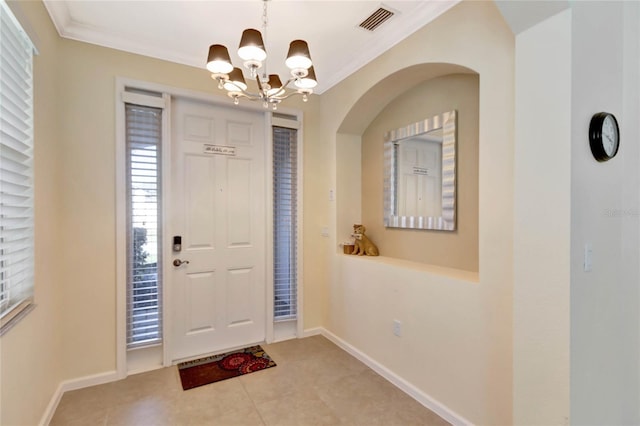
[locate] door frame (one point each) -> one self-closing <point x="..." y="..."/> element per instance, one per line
<point x="168" y="93"/>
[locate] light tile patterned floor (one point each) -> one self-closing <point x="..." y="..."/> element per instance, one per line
<point x="314" y="383"/>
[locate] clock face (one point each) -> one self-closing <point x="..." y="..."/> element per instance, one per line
<point x="609" y="136"/>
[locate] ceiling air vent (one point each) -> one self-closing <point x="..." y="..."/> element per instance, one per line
<point x="376" y="19"/>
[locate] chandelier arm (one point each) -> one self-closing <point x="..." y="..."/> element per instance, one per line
<point x="260" y="86"/>
<point x="242" y="92"/>
<point x="288" y="82"/>
<point x="281" y="93"/>
<point x="247" y="95"/>
<point x="290" y="94"/>
<point x="262" y="95"/>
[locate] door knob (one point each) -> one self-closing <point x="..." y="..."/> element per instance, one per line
<point x="179" y="262"/>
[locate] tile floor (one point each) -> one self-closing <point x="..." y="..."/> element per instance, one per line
<point x="314" y="383"/>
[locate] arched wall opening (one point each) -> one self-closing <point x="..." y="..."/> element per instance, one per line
<point x="404" y="97"/>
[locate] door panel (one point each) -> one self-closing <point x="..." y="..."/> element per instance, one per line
<point x="238" y="206"/>
<point x="218" y="204"/>
<point x="200" y="295"/>
<point x="198" y="128"/>
<point x="239" y="289"/>
<point x="239" y="133"/>
<point x="199" y="195"/>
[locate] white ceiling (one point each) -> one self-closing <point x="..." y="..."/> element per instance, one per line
<point x="182" y="30"/>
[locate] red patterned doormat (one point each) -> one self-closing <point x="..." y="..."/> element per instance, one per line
<point x="212" y="369"/>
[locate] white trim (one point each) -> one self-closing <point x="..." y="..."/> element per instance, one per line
<point x="15" y="315"/>
<point x="143" y="359"/>
<point x="51" y="407"/>
<point x="299" y="242"/>
<point x="121" y="232"/>
<point x="268" y="130"/>
<point x="22" y="23"/>
<point x="283" y="122"/>
<point x="163" y="102"/>
<point x="69" y="385"/>
<point x="431" y="403"/>
<point x="285" y="330"/>
<point x="178" y="92"/>
<point x="87" y="381"/>
<point x="59" y="13"/>
<point x="316" y="331"/>
<point x="214" y="353"/>
<point x="167" y="231"/>
<point x="145" y="100"/>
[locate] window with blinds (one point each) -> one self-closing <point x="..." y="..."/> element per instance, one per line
<point x="144" y="239"/>
<point x="16" y="170"/>
<point x="285" y="178"/>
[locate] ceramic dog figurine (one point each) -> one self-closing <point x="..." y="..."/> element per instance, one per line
<point x="363" y="245"/>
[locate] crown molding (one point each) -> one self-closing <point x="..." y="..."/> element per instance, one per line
<point x="380" y="41"/>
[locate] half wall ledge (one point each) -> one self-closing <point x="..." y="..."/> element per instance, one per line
<point x="470" y="277"/>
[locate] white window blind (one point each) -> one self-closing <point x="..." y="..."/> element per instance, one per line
<point x="285" y="178"/>
<point x="16" y="170"/>
<point x="144" y="239"/>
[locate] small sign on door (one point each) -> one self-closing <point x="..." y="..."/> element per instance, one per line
<point x="420" y="171"/>
<point x="219" y="149"/>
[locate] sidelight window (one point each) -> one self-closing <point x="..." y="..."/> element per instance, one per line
<point x="144" y="239"/>
<point x="285" y="190"/>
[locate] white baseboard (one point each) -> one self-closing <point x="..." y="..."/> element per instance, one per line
<point x="313" y="331"/>
<point x="408" y="388"/>
<point x="69" y="385"/>
<point x="51" y="407"/>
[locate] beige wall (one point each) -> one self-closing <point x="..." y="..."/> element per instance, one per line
<point x="31" y="352"/>
<point x="458" y="326"/>
<point x="457" y="249"/>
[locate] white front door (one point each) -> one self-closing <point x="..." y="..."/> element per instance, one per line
<point x="218" y="209"/>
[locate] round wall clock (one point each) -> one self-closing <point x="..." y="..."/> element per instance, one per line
<point x="604" y="136"/>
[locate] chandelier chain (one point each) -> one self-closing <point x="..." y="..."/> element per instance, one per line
<point x="264" y="15"/>
<point x="264" y="36"/>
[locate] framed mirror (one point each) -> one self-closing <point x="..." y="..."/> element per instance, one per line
<point x="420" y="174"/>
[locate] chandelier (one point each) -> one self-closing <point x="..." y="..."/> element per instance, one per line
<point x="270" y="91"/>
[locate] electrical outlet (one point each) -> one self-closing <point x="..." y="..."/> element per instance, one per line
<point x="397" y="328"/>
